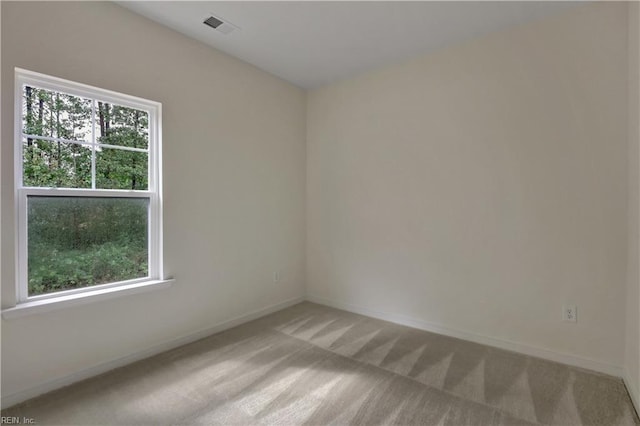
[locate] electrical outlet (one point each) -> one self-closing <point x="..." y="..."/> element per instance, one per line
<point x="570" y="313"/>
<point x="276" y="276"/>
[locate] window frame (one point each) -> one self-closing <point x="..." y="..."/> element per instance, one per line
<point x="153" y="192"/>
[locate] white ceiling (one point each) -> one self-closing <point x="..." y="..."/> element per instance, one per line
<point x="314" y="43"/>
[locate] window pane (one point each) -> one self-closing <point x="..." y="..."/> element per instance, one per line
<point x="78" y="242"/>
<point x="55" y="164"/>
<point x="120" y="169"/>
<point x="56" y="115"/>
<point x="122" y="126"/>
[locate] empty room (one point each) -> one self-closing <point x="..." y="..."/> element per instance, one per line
<point x="320" y="213"/>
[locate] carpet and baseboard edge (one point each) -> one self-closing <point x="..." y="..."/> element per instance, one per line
<point x="560" y="357"/>
<point x="23" y="395"/>
<point x="633" y="391"/>
<point x="50" y="385"/>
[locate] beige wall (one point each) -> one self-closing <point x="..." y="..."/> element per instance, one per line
<point x="234" y="158"/>
<point x="632" y="353"/>
<point x="482" y="187"/>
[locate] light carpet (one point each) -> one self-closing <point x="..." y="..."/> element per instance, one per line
<point x="314" y="365"/>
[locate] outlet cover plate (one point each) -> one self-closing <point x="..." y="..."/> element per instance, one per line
<point x="570" y="313"/>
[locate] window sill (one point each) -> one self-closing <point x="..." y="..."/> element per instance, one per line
<point x="47" y="305"/>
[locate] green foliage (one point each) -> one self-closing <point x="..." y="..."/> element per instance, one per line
<point x="56" y="115"/>
<point x="78" y="241"/>
<point x="67" y="164"/>
<point x="57" y="165"/>
<point x="53" y="270"/>
<point x="120" y="169"/>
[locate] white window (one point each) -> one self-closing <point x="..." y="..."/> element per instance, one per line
<point x="87" y="189"/>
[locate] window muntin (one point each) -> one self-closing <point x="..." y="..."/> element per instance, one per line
<point x="80" y="150"/>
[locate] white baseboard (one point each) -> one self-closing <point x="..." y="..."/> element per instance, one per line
<point x="48" y="386"/>
<point x="634" y="392"/>
<point x="20" y="396"/>
<point x="564" y="358"/>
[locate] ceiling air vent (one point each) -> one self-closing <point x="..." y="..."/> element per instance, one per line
<point x="220" y="25"/>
